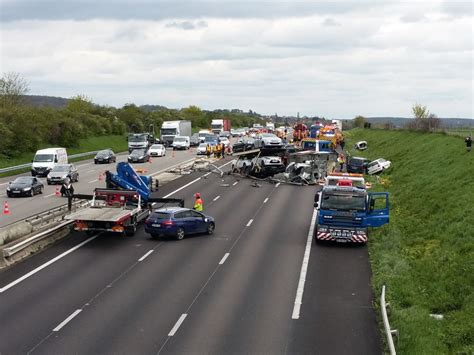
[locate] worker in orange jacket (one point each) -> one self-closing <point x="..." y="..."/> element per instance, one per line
<point x="198" y="205"/>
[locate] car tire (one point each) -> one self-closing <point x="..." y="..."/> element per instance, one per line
<point x="180" y="233"/>
<point x="210" y="228"/>
<point x="32" y="192"/>
<point x="9" y="195"/>
<point x="155" y="236"/>
<point x="49" y="183"/>
<point x="130" y="230"/>
<point x="41" y="189"/>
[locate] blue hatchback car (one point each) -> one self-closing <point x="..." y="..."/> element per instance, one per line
<point x="178" y="222"/>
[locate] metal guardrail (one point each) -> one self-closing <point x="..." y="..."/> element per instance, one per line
<point x="389" y="332"/>
<point x="27" y="165"/>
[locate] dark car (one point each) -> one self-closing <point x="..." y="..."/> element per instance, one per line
<point x="138" y="156"/>
<point x="105" y="156"/>
<point x="225" y="134"/>
<point x="25" y="185"/>
<point x="178" y="222"/>
<point x="243" y="144"/>
<point x="194" y="141"/>
<point x="61" y="172"/>
<point x="357" y="165"/>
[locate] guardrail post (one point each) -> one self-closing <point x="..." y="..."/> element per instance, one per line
<point x="389" y="332"/>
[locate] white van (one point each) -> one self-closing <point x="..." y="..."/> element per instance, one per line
<point x="181" y="142"/>
<point x="46" y="159"/>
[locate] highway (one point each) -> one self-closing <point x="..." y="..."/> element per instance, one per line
<point x="232" y="292"/>
<point x="89" y="173"/>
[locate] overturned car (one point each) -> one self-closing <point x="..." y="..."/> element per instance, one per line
<point x="260" y="166"/>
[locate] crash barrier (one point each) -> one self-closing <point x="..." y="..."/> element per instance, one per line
<point x="36" y="222"/>
<point x="28" y="165"/>
<point x="389" y="332"/>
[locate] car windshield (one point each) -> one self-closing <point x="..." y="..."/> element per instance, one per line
<point x="60" y="168"/>
<point x="44" y="158"/>
<point x="140" y="138"/>
<point x="168" y="131"/>
<point x="138" y="152"/>
<point x="157" y="146"/>
<point x="203" y="145"/>
<point x="178" y="139"/>
<point x="343" y="202"/>
<point x="357" y="162"/>
<point x="23" y="180"/>
<point x="103" y="153"/>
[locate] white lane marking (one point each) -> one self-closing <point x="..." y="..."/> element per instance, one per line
<point x="49" y="195"/>
<point x="266" y="200"/>
<point x="67" y="320"/>
<point x="177" y="325"/>
<point x="235" y="183"/>
<point x="304" y="269"/>
<point x="277" y="185"/>
<point x="144" y="256"/>
<point x="5" y="183"/>
<point x="224" y="258"/>
<point x="250" y="222"/>
<point x="182" y="187"/>
<point x="216" y="198"/>
<point x="41" y="267"/>
<point x="170" y="167"/>
<point x="91" y="182"/>
<point x="89" y="171"/>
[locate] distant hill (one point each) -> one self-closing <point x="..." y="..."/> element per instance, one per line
<point x="45" y="101"/>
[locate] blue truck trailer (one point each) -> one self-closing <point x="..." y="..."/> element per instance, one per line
<point x="344" y="213"/>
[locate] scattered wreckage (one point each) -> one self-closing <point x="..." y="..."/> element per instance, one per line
<point x="361" y="145"/>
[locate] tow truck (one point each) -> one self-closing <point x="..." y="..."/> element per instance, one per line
<point x="121" y="206"/>
<point x="345" y="212"/>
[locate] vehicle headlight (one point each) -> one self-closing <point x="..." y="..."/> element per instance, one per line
<point x="27" y="189"/>
<point x="48" y="177"/>
<point x="322" y="229"/>
<point x="8" y="188"/>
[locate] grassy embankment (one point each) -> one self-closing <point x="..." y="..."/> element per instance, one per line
<point x="116" y="143"/>
<point x="425" y="256"/>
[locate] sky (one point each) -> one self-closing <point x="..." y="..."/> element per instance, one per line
<point x="336" y="59"/>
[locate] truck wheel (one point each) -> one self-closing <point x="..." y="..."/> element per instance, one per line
<point x="180" y="233"/>
<point x="130" y="230"/>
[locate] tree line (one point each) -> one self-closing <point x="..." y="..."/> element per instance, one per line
<point x="26" y="128"/>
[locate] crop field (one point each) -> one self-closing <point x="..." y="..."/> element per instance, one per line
<point x="425" y="256"/>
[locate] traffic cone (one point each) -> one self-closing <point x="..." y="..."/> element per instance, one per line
<point x="58" y="192"/>
<point x="6" y="209"/>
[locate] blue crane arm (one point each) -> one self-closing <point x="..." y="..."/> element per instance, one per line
<point x="128" y="179"/>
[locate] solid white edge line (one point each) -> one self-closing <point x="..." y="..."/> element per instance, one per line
<point x="224" y="258"/>
<point x="49" y="195"/>
<point x="278" y="184"/>
<point x="91" y="182"/>
<point x="235" y="183"/>
<point x="216" y="198"/>
<point x="41" y="267"/>
<point x="266" y="200"/>
<point x="144" y="256"/>
<point x="304" y="269"/>
<point x="249" y="223"/>
<point x="177" y="325"/>
<point x="67" y="320"/>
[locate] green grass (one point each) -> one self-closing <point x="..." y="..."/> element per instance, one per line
<point x="117" y="143"/>
<point x="425" y="255"/>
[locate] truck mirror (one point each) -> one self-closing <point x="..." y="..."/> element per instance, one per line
<point x="316" y="197"/>
<point x="316" y="204"/>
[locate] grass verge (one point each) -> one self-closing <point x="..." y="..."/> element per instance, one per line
<point x="425" y="255"/>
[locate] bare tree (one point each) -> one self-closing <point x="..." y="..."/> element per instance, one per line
<point x="12" y="89"/>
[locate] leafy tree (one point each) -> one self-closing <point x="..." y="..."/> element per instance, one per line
<point x="12" y="89"/>
<point x="359" y="121"/>
<point x="80" y="103"/>
<point x="420" y="112"/>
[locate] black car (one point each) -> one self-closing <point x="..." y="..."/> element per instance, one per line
<point x="243" y="144"/>
<point x="105" y="156"/>
<point x="357" y="165"/>
<point x="25" y="185"/>
<point x="194" y="141"/>
<point x="138" y="156"/>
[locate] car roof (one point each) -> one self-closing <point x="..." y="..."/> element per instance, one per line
<point x="171" y="209"/>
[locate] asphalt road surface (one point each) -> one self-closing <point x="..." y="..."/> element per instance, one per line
<point x="23" y="207"/>
<point x="232" y="292"/>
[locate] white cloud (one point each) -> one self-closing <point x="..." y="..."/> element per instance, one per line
<point x="373" y="62"/>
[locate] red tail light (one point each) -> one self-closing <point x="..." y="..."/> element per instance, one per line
<point x="168" y="223"/>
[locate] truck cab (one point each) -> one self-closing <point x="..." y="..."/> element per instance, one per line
<point x="346" y="212"/>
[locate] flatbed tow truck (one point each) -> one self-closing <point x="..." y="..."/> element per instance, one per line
<point x="121" y="206"/>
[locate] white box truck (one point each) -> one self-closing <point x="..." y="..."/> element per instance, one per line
<point x="171" y="129"/>
<point x="46" y="159"/>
